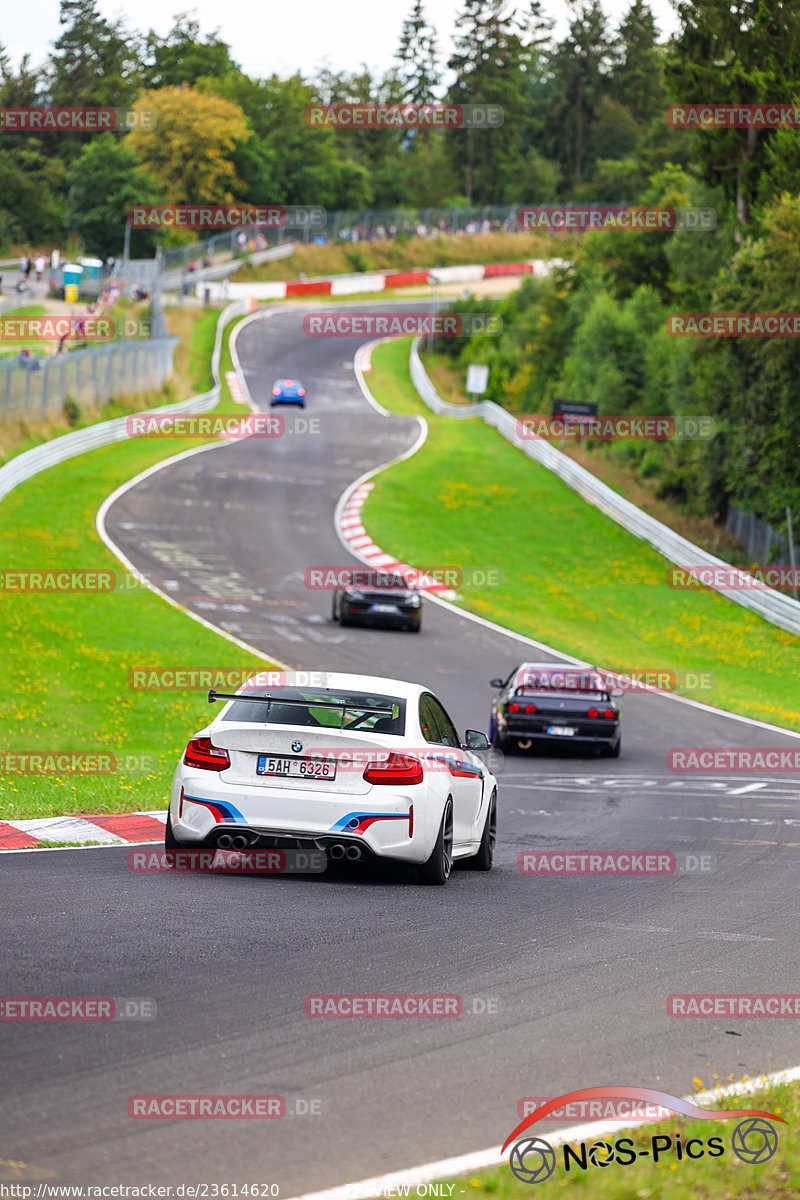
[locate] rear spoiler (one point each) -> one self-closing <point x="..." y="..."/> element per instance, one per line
<point x="268" y="700"/>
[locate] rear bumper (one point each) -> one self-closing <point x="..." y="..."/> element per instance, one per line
<point x="587" y="735"/>
<point x="363" y="616"/>
<point x="383" y="827"/>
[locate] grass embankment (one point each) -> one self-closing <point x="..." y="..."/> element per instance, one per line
<point x="572" y="577"/>
<point x="68" y="654"/>
<point x="403" y="254"/>
<point x="725" y="1177"/>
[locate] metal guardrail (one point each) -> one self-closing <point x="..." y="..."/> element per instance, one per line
<point x="40" y="388"/>
<point x="176" y="278"/>
<point x="31" y="462"/>
<point x="774" y="606"/>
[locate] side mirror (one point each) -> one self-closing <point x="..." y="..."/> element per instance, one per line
<point x="616" y="695"/>
<point x="498" y="683"/>
<point x="475" y="740"/>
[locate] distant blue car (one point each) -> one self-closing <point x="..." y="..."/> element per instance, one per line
<point x="288" y="391"/>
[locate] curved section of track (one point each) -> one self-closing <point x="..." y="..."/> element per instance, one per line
<point x="564" y="980"/>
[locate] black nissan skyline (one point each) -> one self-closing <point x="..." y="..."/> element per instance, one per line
<point x="548" y="702"/>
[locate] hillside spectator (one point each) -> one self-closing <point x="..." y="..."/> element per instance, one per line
<point x="41" y="263"/>
<point x="25" y="266"/>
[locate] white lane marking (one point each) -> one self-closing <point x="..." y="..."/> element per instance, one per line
<point x="380" y="1185"/>
<point x="749" y="787"/>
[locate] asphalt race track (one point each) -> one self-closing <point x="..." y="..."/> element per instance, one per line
<point x="564" y="981"/>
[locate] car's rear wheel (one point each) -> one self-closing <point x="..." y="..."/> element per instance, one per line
<point x="436" y="870"/>
<point x="482" y="861"/>
<point x="614" y="751"/>
<point x="171" y="843"/>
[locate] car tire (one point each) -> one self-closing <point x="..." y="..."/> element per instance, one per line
<point x="482" y="861"/>
<point x="171" y="843"/>
<point x="436" y="871"/>
<point x="415" y="628"/>
<point x="614" y="751"/>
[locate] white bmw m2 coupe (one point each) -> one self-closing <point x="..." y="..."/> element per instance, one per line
<point x="361" y="768"/>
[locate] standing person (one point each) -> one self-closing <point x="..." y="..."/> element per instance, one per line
<point x="41" y="263"/>
<point x="24" y="267"/>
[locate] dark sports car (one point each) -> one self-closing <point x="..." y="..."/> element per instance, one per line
<point x="377" y="598"/>
<point x="545" y="702"/>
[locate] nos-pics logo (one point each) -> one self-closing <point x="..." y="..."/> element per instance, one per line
<point x="533" y="1159"/>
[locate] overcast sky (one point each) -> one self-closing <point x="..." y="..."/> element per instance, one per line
<point x="281" y="36"/>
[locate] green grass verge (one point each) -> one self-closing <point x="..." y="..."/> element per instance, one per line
<point x="725" y="1177"/>
<point x="68" y="654"/>
<point x="571" y="576"/>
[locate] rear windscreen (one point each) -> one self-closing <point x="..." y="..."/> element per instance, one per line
<point x="355" y="712"/>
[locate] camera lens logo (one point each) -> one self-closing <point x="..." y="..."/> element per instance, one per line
<point x="533" y="1160"/>
<point x="601" y="1154"/>
<point x="754" y="1141"/>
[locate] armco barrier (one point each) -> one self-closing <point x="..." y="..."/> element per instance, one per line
<point x="31" y="462"/>
<point x="775" y="607"/>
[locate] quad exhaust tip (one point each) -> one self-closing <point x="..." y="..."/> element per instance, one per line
<point x="226" y="842"/>
<point x="354" y="853"/>
<point x="337" y="850"/>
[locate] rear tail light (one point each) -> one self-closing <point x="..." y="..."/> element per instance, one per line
<point x="609" y="714"/>
<point x="513" y="708"/>
<point x="529" y="708"/>
<point x="276" y="391"/>
<point x="201" y="752"/>
<point x="301" y="391"/>
<point x="593" y="713"/>
<point x="397" y="769"/>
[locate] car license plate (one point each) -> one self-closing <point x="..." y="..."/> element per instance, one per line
<point x="295" y="768"/>
<point x="384" y="608"/>
<point x="562" y="730"/>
